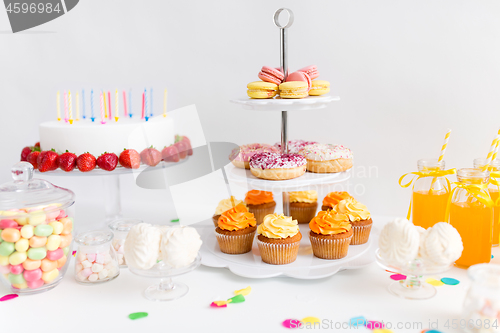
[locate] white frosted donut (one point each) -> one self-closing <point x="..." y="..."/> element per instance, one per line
<point x="327" y="158"/>
<point x="294" y="146"/>
<point x="240" y="156"/>
<point x="275" y="166"/>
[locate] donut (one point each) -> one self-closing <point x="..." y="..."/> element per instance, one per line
<point x="275" y="166"/>
<point x="241" y="156"/>
<point x="294" y="146"/>
<point x="327" y="158"/>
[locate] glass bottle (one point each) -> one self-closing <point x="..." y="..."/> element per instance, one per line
<point x="430" y="195"/>
<point x="494" y="194"/>
<point x="472" y="218"/>
<point x="120" y="229"/>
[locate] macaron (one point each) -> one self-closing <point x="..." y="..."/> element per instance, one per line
<point x="270" y="74"/>
<point x="293" y="89"/>
<point x="260" y="89"/>
<point x="299" y="76"/>
<point x="319" y="87"/>
<point x="312" y="71"/>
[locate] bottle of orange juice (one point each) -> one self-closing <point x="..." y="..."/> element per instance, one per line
<point x="471" y="213"/>
<point x="430" y="194"/>
<point x="493" y="190"/>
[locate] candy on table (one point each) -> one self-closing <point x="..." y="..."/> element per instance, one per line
<point x="118" y="245"/>
<point x="95" y="267"/>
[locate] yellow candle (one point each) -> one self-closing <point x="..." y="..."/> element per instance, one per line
<point x="70" y="107"/>
<point x="58" y="106"/>
<point x="105" y="105"/>
<point x="116" y="105"/>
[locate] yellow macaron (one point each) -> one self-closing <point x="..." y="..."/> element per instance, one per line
<point x="319" y="87"/>
<point x="293" y="89"/>
<point x="261" y="89"/>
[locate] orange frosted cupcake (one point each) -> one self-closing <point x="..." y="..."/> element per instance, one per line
<point x="223" y="206"/>
<point x="303" y="205"/>
<point x="360" y="219"/>
<point x="260" y="204"/>
<point x="278" y="239"/>
<point x="330" y="235"/>
<point x="236" y="230"/>
<point x="333" y="198"/>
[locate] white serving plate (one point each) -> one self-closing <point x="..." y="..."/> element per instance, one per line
<point x="286" y="104"/>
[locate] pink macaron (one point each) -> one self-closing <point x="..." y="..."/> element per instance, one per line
<point x="312" y="71"/>
<point x="270" y="74"/>
<point x="300" y="76"/>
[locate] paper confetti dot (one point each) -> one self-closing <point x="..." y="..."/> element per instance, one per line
<point x="174" y="220"/>
<point x="74" y="253"/>
<point x="431" y="331"/>
<point x="243" y="292"/>
<point x="310" y="320"/>
<point x="434" y="282"/>
<point x="382" y="330"/>
<point x="291" y="323"/>
<point x="358" y="321"/>
<point x="398" y="277"/>
<point x="138" y="315"/>
<point x="492" y="256"/>
<point x="374" y="325"/>
<point x="236" y="299"/>
<point x="8" y="297"/>
<point x="219" y="304"/>
<point x="450" y="281"/>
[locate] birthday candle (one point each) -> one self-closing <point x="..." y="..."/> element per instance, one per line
<point x="65" y="107"/>
<point x="130" y="103"/>
<point x="70" y="108"/>
<point x="92" y="105"/>
<point x="124" y="104"/>
<point x="151" y="102"/>
<point x="103" y="104"/>
<point x="116" y="105"/>
<point x="165" y="103"/>
<point x="146" y="101"/>
<point x="77" y="107"/>
<point x="110" y="114"/>
<point x="83" y="104"/>
<point x="143" y="102"/>
<point x="58" y="106"/>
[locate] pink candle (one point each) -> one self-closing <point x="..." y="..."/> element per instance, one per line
<point x="103" y="118"/>
<point x="143" y="101"/>
<point x="124" y="103"/>
<point x="109" y="103"/>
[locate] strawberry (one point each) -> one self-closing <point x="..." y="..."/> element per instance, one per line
<point x="33" y="158"/>
<point x="107" y="161"/>
<point x="37" y="146"/>
<point x="187" y="143"/>
<point x="182" y="149"/>
<point x="67" y="161"/>
<point x="130" y="159"/>
<point x="25" y="152"/>
<point x="47" y="161"/>
<point x="86" y="162"/>
<point x="170" y="154"/>
<point x="150" y="156"/>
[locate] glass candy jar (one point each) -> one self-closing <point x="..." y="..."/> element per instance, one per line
<point x="36" y="231"/>
<point x="95" y="257"/>
<point x="120" y="230"/>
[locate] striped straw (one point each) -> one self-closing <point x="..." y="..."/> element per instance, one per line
<point x="445" y="144"/>
<point x="493" y="146"/>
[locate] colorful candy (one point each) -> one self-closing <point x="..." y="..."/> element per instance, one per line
<point x="95" y="267"/>
<point x="44" y="230"/>
<point x="27" y="231"/>
<point x="7" y="248"/>
<point x="53" y="242"/>
<point x="22" y="245"/>
<point x="33" y="275"/>
<point x="57" y="227"/>
<point x="30" y="265"/>
<point x="48" y="277"/>
<point x="37" y="219"/>
<point x="37" y="241"/>
<point x="17" y="258"/>
<point x="55" y="255"/>
<point x="48" y="265"/>
<point x="4" y="224"/>
<point x="37" y="253"/>
<point x="11" y="235"/>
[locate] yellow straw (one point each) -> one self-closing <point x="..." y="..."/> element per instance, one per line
<point x="116" y="105"/>
<point x="445" y="144"/>
<point x="77" y="107"/>
<point x="165" y="103"/>
<point x="58" y="107"/>
<point x="494" y="143"/>
<point x="70" y="108"/>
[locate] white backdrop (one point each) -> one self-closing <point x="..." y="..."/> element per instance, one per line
<point x="405" y="72"/>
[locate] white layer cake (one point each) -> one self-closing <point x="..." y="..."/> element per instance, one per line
<point x="113" y="137"/>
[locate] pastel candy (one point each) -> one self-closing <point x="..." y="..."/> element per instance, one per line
<point x="65" y="241"/>
<point x="4" y="269"/>
<point x="22" y="245"/>
<point x="4" y="260"/>
<point x="16" y="269"/>
<point x="30" y="265"/>
<point x="51" y="212"/>
<point x="53" y="242"/>
<point x="44" y="230"/>
<point x="48" y="277"/>
<point x="23" y="285"/>
<point x="33" y="275"/>
<point x="37" y="218"/>
<point x="91" y="257"/>
<point x="121" y="249"/>
<point x="4" y="224"/>
<point x="6" y="249"/>
<point x="103" y="274"/>
<point x="16" y="278"/>
<point x="55" y="255"/>
<point x="93" y="277"/>
<point x="35" y="284"/>
<point x="67" y="225"/>
<point x="21" y="220"/>
<point x="61" y="262"/>
<point x="86" y="264"/>
<point x="96" y="268"/>
<point x="65" y="248"/>
<point x="62" y="214"/>
<point x="48" y="265"/>
<point x="86" y="272"/>
<point x="57" y="227"/>
<point x="37" y="241"/>
<point x="99" y="258"/>
<point x="37" y="253"/>
<point x="11" y="235"/>
<point x="78" y="268"/>
<point x="27" y="231"/>
<point x="17" y="258"/>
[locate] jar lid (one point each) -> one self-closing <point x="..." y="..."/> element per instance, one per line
<point x="94" y="238"/>
<point x="486" y="274"/>
<point x="28" y="192"/>
<point x="123" y="225"/>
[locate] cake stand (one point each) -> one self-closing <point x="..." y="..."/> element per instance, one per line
<point x="166" y="290"/>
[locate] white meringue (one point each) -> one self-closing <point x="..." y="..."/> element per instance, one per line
<point x="399" y="241"/>
<point x="441" y="244"/>
<point x="179" y="245"/>
<point x="142" y="246"/>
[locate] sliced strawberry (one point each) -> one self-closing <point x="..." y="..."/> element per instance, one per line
<point x="86" y="162"/>
<point x="25" y="152"/>
<point x="47" y="161"/>
<point x="187" y="143"/>
<point x="130" y="159"/>
<point x="150" y="156"/>
<point x="107" y="161"/>
<point x="33" y="158"/>
<point x="67" y="161"/>
<point x="170" y="154"/>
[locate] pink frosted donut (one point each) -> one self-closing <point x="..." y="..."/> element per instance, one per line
<point x="241" y="156"/>
<point x="294" y="146"/>
<point x="276" y="166"/>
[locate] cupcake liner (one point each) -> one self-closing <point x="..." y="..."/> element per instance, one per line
<point x="325" y="248"/>
<point x="260" y="213"/>
<point x="278" y="253"/>
<point x="303" y="214"/>
<point x="235" y="244"/>
<point x="361" y="234"/>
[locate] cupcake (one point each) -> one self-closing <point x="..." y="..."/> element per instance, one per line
<point x="331" y="233"/>
<point x="260" y="204"/>
<point x="303" y="205"/>
<point x="278" y="239"/>
<point x="333" y="198"/>
<point x="236" y="230"/>
<point x="224" y="205"/>
<point x="360" y="218"/>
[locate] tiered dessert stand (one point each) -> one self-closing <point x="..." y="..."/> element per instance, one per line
<point x="307" y="266"/>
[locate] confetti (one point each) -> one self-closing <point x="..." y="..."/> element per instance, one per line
<point x="74" y="253"/>
<point x="398" y="277"/>
<point x="371" y="325"/>
<point x="291" y="323"/>
<point x="382" y="330"/>
<point x="174" y="220"/>
<point x="219" y="304"/>
<point x="492" y="256"/>
<point x="138" y="315"/>
<point x="450" y="281"/>
<point x="8" y="297"/>
<point x="310" y="320"/>
<point x="243" y="292"/>
<point x="431" y="331"/>
<point x="237" y="299"/>
<point x="434" y="282"/>
<point x="358" y="321"/>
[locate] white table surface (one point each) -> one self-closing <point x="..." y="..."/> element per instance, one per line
<point x="71" y="307"/>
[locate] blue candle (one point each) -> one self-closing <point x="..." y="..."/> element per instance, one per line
<point x="146" y="101"/>
<point x="92" y="105"/>
<point x="151" y="102"/>
<point x="130" y="103"/>
<point x="83" y="104"/>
